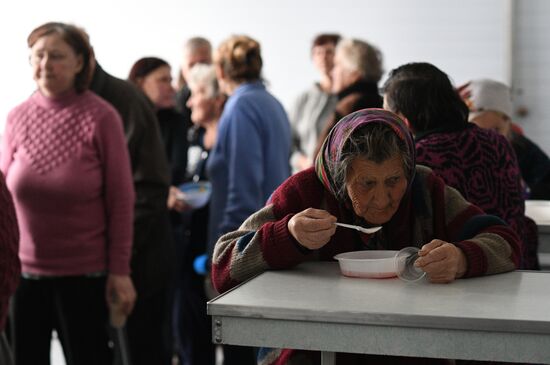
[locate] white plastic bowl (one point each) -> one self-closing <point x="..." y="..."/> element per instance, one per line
<point x="377" y="264"/>
<point x="196" y="194"/>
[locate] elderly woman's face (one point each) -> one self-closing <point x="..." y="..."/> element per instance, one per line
<point x="376" y="189"/>
<point x="342" y="77"/>
<point x="204" y="107"/>
<point x="55" y="65"/>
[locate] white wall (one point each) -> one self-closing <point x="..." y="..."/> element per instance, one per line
<point x="465" y="38"/>
<point x="531" y="79"/>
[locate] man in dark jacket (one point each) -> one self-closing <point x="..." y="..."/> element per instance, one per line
<point x="148" y="326"/>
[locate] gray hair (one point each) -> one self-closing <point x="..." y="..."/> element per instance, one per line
<point x="375" y="142"/>
<point x="195" y="43"/>
<point x="362" y="57"/>
<point x="204" y="75"/>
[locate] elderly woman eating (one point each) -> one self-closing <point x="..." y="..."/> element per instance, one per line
<point x="365" y="174"/>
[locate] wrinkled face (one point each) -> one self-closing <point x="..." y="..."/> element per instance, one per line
<point x="54" y="64"/>
<point x="157" y="85"/>
<point x="490" y="120"/>
<point x="376" y="190"/>
<point x="342" y="77"/>
<point x="190" y="59"/>
<point x="204" y="108"/>
<point x="323" y="57"/>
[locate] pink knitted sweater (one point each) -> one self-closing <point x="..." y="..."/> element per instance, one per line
<point x="67" y="167"/>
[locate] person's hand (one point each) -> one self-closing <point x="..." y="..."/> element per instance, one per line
<point x="120" y="292"/>
<point x="312" y="228"/>
<point x="303" y="162"/>
<point x="443" y="262"/>
<point x="174" y="202"/>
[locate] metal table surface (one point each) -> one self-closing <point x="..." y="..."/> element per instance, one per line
<point x="503" y="317"/>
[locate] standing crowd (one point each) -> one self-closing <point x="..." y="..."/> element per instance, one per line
<point x="98" y="239"/>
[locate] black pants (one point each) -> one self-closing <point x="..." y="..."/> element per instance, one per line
<point x="149" y="330"/>
<point x="191" y="325"/>
<point x="239" y="355"/>
<point x="74" y="306"/>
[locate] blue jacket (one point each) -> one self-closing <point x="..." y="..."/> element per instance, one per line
<point x="250" y="158"/>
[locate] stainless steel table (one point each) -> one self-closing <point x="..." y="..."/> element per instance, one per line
<point x="502" y="317"/>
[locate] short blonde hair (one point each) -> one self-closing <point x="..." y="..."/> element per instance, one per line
<point x="358" y="55"/>
<point x="240" y="58"/>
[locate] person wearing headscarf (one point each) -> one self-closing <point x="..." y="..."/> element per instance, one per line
<point x="365" y="174"/>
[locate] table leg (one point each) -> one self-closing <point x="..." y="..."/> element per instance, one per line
<point x="328" y="358"/>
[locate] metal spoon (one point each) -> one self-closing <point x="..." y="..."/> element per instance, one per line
<point x="359" y="228"/>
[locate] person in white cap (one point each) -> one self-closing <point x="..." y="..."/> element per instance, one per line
<point x="490" y="104"/>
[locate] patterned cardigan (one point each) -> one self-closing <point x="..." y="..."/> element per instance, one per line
<point x="429" y="210"/>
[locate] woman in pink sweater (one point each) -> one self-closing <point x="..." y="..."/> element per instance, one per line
<point x="67" y="167"/>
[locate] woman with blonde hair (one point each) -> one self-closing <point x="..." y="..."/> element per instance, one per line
<point x="252" y="151"/>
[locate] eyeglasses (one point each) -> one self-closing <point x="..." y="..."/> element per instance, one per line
<point x="36" y="58"/>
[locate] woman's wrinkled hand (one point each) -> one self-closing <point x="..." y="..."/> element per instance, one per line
<point x="312" y="228"/>
<point x="442" y="261"/>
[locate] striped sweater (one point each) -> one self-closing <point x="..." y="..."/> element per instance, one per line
<point x="429" y="210"/>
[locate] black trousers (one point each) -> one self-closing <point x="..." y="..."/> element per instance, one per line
<point x="149" y="331"/>
<point x="74" y="306"/>
<point x="192" y="327"/>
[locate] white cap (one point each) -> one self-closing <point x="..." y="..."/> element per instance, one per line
<point x="491" y="95"/>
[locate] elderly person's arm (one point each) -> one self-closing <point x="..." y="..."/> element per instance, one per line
<point x="262" y="242"/>
<point x="481" y="244"/>
<point x="265" y="241"/>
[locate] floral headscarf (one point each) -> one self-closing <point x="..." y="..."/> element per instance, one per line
<point x="331" y="151"/>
